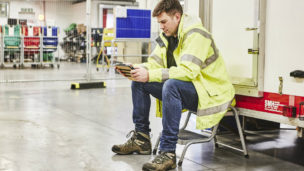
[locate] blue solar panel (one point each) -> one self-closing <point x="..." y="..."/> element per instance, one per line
<point x="136" y="25"/>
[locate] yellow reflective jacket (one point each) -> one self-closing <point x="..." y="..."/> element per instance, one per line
<point x="199" y="61"/>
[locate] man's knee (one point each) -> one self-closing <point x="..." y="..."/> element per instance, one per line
<point x="170" y="85"/>
<point x="136" y="84"/>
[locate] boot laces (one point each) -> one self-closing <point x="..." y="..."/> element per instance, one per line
<point x="130" y="133"/>
<point x="161" y="158"/>
<point x="131" y="140"/>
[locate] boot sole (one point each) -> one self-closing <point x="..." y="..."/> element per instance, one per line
<point x="147" y="169"/>
<point x="137" y="152"/>
<point x="145" y="152"/>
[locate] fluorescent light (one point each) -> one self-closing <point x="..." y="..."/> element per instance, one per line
<point x="41" y="17"/>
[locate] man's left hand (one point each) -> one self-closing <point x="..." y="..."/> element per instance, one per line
<point x="140" y="74"/>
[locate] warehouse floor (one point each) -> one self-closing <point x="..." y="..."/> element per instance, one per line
<point x="45" y="126"/>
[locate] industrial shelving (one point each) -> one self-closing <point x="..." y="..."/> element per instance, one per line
<point x="22" y="49"/>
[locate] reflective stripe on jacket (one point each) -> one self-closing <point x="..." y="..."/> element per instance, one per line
<point x="199" y="61"/>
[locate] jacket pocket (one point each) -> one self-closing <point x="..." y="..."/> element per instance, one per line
<point x="215" y="89"/>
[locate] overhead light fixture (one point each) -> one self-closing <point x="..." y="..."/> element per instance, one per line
<point x="41" y="17"/>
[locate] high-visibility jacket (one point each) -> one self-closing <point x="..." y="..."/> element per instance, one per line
<point x="199" y="61"/>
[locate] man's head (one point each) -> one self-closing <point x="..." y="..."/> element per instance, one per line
<point x="168" y="14"/>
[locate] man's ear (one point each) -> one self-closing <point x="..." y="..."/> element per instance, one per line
<point x="178" y="16"/>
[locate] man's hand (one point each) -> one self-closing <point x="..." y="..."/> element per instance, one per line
<point x="140" y="74"/>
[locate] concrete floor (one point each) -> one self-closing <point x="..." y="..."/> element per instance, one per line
<point x="45" y="126"/>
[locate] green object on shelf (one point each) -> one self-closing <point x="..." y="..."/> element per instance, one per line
<point x="71" y="27"/>
<point x="12" y="41"/>
<point x="47" y="57"/>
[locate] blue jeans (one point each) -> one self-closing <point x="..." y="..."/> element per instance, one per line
<point x="175" y="95"/>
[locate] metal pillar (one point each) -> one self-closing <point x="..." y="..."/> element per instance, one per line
<point x="88" y="39"/>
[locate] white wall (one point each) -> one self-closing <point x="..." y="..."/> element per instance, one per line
<point x="284" y="45"/>
<point x="231" y="37"/>
<point x="79" y="13"/>
<point x="191" y="7"/>
<point x="61" y="13"/>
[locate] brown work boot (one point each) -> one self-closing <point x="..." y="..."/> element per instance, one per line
<point x="163" y="161"/>
<point x="139" y="143"/>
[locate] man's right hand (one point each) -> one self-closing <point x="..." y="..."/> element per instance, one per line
<point x="140" y="74"/>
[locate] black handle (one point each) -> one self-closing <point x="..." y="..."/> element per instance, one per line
<point x="297" y="74"/>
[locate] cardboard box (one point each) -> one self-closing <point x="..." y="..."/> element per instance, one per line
<point x="132" y="48"/>
<point x="81" y="28"/>
<point x="120" y="51"/>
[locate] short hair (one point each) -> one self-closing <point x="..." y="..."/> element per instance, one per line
<point x="169" y="6"/>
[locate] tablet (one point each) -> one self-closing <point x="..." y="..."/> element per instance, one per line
<point x="125" y="69"/>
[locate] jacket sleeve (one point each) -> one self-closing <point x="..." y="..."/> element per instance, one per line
<point x="195" y="50"/>
<point x="155" y="60"/>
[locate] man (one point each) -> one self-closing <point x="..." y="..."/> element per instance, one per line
<point x="185" y="71"/>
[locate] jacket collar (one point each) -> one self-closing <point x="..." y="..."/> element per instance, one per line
<point x="187" y="23"/>
<point x="180" y="26"/>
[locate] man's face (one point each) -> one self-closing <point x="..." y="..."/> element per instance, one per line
<point x="169" y="24"/>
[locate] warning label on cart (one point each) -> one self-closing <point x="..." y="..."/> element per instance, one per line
<point x="272" y="105"/>
<point x="270" y="102"/>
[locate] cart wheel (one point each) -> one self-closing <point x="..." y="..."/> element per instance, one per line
<point x="97" y="69"/>
<point x="15" y="66"/>
<point x="52" y="65"/>
<point x="246" y="156"/>
<point x="180" y="163"/>
<point x="58" y="66"/>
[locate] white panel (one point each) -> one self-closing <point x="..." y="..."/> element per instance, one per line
<point x="192" y="7"/>
<point x="79" y="13"/>
<point x="230" y="19"/>
<point x="15" y="8"/>
<point x="61" y="13"/>
<point x="142" y="4"/>
<point x="284" y="45"/>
